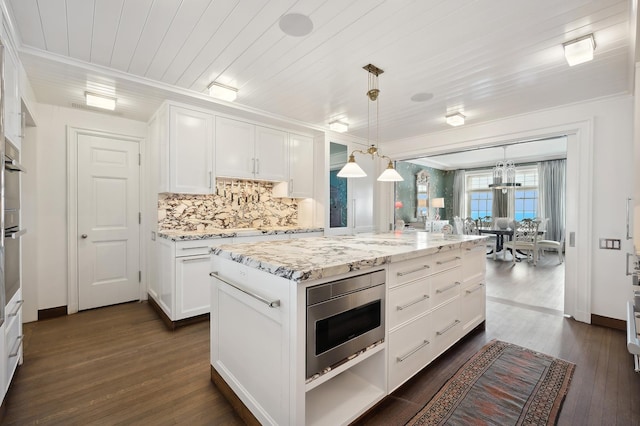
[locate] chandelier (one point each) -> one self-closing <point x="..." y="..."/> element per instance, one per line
<point x="504" y="174"/>
<point x="352" y="169"/>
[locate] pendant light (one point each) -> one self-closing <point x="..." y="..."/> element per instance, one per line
<point x="352" y="169"/>
<point x="504" y="174"/>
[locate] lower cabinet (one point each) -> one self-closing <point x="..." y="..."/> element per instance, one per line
<point x="181" y="287"/>
<point x="13" y="339"/>
<point x="430" y="307"/>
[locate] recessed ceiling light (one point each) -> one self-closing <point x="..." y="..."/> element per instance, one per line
<point x="421" y="97"/>
<point x="455" y="119"/>
<point x="100" y="101"/>
<point x="296" y="24"/>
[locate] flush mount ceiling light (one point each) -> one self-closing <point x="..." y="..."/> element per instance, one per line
<point x="504" y="174"/>
<point x="579" y="50"/>
<point x="222" y="91"/>
<point x="352" y="169"/>
<point x="455" y="119"/>
<point x="100" y="101"/>
<point x="295" y="24"/>
<point x="339" y="126"/>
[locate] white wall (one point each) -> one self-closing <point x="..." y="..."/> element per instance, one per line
<point x="613" y="165"/>
<point x="50" y="193"/>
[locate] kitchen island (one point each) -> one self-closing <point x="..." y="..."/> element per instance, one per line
<point x="419" y="294"/>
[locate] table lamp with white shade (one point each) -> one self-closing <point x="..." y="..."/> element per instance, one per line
<point x="437" y="203"/>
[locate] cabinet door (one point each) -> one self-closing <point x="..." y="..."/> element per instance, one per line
<point x="192" y="286"/>
<point x="191" y="156"/>
<point x="12" y="110"/>
<point x="165" y="252"/>
<point x="300" y="166"/>
<point x="271" y="154"/>
<point x="235" y="141"/>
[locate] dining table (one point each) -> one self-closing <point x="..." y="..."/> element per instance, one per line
<point x="499" y="233"/>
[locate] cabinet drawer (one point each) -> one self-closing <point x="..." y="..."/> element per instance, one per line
<point x="13" y="343"/>
<point x="447" y="326"/>
<point x="410" y="349"/>
<point x="445" y="286"/>
<point x="193" y="248"/>
<point x="475" y="263"/>
<point x="409" y="270"/>
<point x="473" y="305"/>
<point x="408" y="301"/>
<point x="447" y="260"/>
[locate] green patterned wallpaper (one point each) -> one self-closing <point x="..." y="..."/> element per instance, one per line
<point x="441" y="185"/>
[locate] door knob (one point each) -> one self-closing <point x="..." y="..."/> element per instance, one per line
<point x="84" y="235"/>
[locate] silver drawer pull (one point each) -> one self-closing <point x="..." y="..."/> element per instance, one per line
<point x="18" y="305"/>
<point x="16" y="345"/>
<point x="475" y="289"/>
<point x="403" y="273"/>
<point x="424" y="297"/>
<point x="442" y="290"/>
<point x="194" y="259"/>
<point x="269" y="303"/>
<point x="413" y="351"/>
<point x="453" y="259"/>
<point x="447" y="328"/>
<point x="194" y="248"/>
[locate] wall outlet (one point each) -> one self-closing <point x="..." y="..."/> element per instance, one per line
<point x="609" y="244"/>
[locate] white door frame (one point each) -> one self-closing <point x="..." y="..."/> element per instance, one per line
<point x="579" y="212"/>
<point x="72" y="209"/>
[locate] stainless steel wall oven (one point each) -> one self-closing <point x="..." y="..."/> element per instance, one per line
<point x="343" y="317"/>
<point x="12" y="229"/>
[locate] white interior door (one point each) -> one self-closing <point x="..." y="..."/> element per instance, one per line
<point x="108" y="220"/>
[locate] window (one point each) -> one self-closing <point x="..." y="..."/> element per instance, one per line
<point x="479" y="196"/>
<point x="479" y="199"/>
<point x="526" y="195"/>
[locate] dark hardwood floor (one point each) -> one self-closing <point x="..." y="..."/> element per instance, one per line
<point x="120" y="365"/>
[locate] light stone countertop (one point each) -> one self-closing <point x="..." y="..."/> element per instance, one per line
<point x="320" y="257"/>
<point x="233" y="232"/>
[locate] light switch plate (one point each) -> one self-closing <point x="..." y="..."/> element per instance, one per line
<point x="610" y="244"/>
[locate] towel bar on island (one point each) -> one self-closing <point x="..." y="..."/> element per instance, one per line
<point x="633" y="343"/>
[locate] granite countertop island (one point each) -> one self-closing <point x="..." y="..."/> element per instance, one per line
<point x="321" y="257"/>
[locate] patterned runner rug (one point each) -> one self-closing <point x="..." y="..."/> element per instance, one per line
<point x="502" y="384"/>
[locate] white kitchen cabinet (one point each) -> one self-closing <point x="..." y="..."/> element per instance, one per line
<point x="13" y="337"/>
<point x="12" y="106"/>
<point x="301" y="164"/>
<point x="426" y="309"/>
<point x="190" y="151"/>
<point x="181" y="285"/>
<point x="247" y="151"/>
<point x="183" y="138"/>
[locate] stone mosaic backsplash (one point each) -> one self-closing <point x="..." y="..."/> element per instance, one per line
<point x="235" y="204"/>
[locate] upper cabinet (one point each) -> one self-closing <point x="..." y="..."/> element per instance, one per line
<point x="247" y="151"/>
<point x="185" y="141"/>
<point x="12" y="107"/>
<point x="301" y="167"/>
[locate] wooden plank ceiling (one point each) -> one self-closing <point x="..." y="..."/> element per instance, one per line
<point x="486" y="58"/>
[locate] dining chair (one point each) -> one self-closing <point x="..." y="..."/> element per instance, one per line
<point x="492" y="242"/>
<point x="525" y="238"/>
<point x="551" y="244"/>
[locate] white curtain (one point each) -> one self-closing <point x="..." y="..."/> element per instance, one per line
<point x="551" y="196"/>
<point x="459" y="193"/>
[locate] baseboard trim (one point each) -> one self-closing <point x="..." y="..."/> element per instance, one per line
<point x="172" y="325"/>
<point x="45" y="314"/>
<point x="616" y="324"/>
<point x="234" y="400"/>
